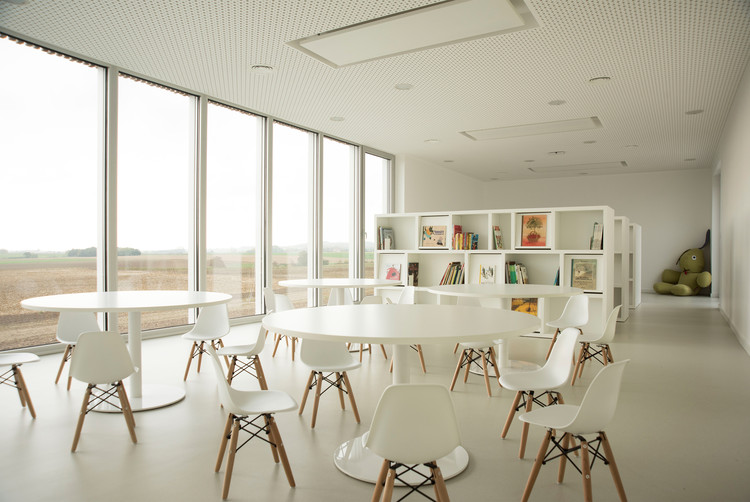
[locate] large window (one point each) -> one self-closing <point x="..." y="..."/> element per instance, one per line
<point x="233" y="206"/>
<point x="293" y="158"/>
<point x="156" y="162"/>
<point x="376" y="202"/>
<point x="338" y="210"/>
<point x="50" y="123"/>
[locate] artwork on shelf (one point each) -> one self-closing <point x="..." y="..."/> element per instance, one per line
<point x="527" y="305"/>
<point x="486" y="274"/>
<point x="388" y="239"/>
<point x="534" y="230"/>
<point x="393" y="272"/>
<point x="498" y="237"/>
<point x="583" y="273"/>
<point x="413" y="279"/>
<point x="433" y="236"/>
<point x="596" y="236"/>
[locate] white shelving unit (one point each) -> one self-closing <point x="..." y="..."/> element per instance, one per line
<point x="634" y="272"/>
<point x="622" y="266"/>
<point x="568" y="238"/>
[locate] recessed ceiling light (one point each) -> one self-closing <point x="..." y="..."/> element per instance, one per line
<point x="631" y="146"/>
<point x="599" y="80"/>
<point x="556" y="102"/>
<point x="17" y="2"/>
<point x="261" y="69"/>
<point x="337" y="119"/>
<point x="493" y="179"/>
<point x="693" y="112"/>
<point x="589" y="142"/>
<point x="432" y="141"/>
<point x="404" y="87"/>
<point x="529" y="160"/>
<point x="690" y="160"/>
<point x="557" y="152"/>
<point x="448" y="161"/>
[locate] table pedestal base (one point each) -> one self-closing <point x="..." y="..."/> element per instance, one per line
<point x="358" y="462"/>
<point x="154" y="396"/>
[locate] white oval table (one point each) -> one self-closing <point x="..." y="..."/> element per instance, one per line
<point x="339" y="286"/>
<point x="401" y="326"/>
<point x="142" y="397"/>
<point x="504" y="292"/>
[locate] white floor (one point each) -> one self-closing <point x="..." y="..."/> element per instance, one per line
<point x="680" y="433"/>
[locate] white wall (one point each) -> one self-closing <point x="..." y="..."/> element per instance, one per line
<point x="734" y="162"/>
<point x="673" y="208"/>
<point x="424" y="186"/>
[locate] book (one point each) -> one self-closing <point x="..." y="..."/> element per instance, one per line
<point x="557" y="278"/>
<point x="596" y="236"/>
<point x="534" y="230"/>
<point x="433" y="236"/>
<point x="393" y="272"/>
<point x="528" y="305"/>
<point x="388" y="239"/>
<point x="486" y="274"/>
<point x="498" y="237"/>
<point x="583" y="273"/>
<point x="454" y="273"/>
<point x="474" y="241"/>
<point x="413" y="278"/>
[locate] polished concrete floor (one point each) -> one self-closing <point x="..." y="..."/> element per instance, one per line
<point x="680" y="433"/>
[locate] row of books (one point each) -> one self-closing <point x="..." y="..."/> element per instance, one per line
<point x="386" y="238"/>
<point x="454" y="273"/>
<point x="515" y="273"/>
<point x="465" y="241"/>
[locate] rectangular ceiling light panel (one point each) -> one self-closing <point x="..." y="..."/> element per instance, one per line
<point x="594" y="168"/>
<point x="581" y="124"/>
<point x="414" y="30"/>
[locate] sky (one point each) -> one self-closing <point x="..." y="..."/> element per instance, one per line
<point x="49" y="163"/>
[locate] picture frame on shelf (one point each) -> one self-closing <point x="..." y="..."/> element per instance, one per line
<point x="393" y="271"/>
<point x="487" y="274"/>
<point x="498" y="237"/>
<point x="526" y="305"/>
<point x="433" y="236"/>
<point x="583" y="273"/>
<point x="533" y="230"/>
<point x="389" y="238"/>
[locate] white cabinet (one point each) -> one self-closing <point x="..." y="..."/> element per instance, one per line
<point x="563" y="241"/>
<point x="622" y="267"/>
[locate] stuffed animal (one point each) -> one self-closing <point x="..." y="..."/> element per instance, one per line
<point x="690" y="280"/>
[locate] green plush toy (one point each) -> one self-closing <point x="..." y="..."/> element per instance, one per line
<point x="688" y="282"/>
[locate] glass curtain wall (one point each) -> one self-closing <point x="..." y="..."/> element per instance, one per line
<point x="293" y="154"/>
<point x="376" y="202"/>
<point x="50" y="157"/>
<point x="155" y="165"/>
<point x="338" y="210"/>
<point x="233" y="205"/>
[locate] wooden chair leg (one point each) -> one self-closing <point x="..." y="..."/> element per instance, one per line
<point x="223" y="444"/>
<point x="579" y="365"/>
<point x="467" y="364"/>
<point x="282" y="452"/>
<point x="525" y="428"/>
<point x="361" y="348"/>
<point x="276" y="345"/>
<point x="21" y="384"/>
<point x="388" y="488"/>
<point x="537" y="466"/>
<point x="190" y="360"/>
<point x="458" y="369"/>
<point x="317" y="399"/>
<point x="271" y="441"/>
<point x="613" y="466"/>
<point x="563" y="459"/>
<point x="511" y="414"/>
<point x="351" y="396"/>
<point x="81" y="416"/>
<point x="126" y="411"/>
<point x="486" y="375"/>
<point x="62" y="363"/>
<point x="260" y="373"/>
<point x="382" y="347"/>
<point x="294" y="344"/>
<point x="554" y="339"/>
<point x="493" y="360"/>
<point x="421" y="358"/>
<point x="230" y="371"/>
<point x="455" y="348"/>
<point x="230" y="459"/>
<point x="307" y="391"/>
<point x="339" y="380"/>
<point x="586" y="468"/>
<point x="380" y="482"/>
<point x="200" y="357"/>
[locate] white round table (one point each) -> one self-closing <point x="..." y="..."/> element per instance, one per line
<point x="401" y="326"/>
<point x="506" y="291"/>
<point x="339" y="286"/>
<point x="142" y="397"/>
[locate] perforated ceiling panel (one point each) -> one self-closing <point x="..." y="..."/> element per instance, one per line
<point x="664" y="58"/>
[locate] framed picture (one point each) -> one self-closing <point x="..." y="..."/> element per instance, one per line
<point x="534" y="230"/>
<point x="433" y="236"/>
<point x="583" y="273"/>
<point x="393" y="272"/>
<point x="527" y="305"/>
<point x="486" y="274"/>
<point x="498" y="237"/>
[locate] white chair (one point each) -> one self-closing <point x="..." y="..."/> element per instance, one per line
<point x="413" y="424"/>
<point x="601" y="341"/>
<point x="371" y="300"/>
<point x="212" y="324"/>
<point x="246" y="409"/>
<point x="596" y="411"/>
<point x="574" y="315"/>
<point x="250" y="351"/>
<point x="69" y="326"/>
<point x="471" y="353"/>
<point x="532" y="385"/>
<point x="101" y="358"/>
<point x="408" y="298"/>
<point x="281" y="303"/>
<point x="325" y="360"/>
<point x="14" y="378"/>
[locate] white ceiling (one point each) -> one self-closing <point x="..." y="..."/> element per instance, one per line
<point x="664" y="58"/>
